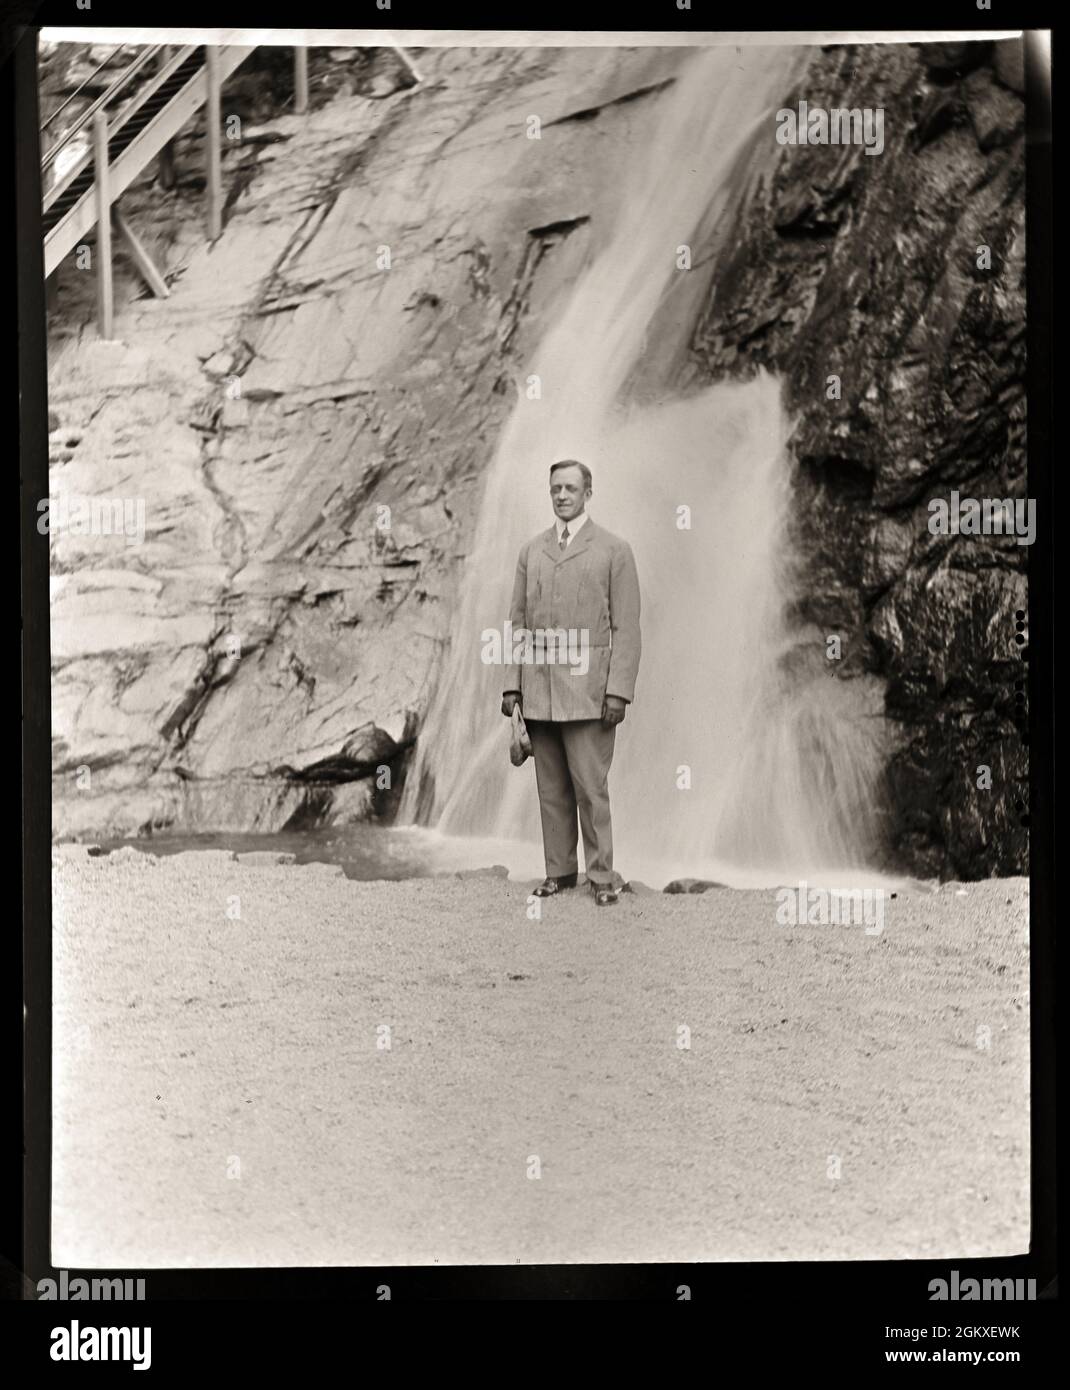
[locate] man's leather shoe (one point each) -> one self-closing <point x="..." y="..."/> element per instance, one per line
<point x="549" y="886"/>
<point x="605" y="897"/>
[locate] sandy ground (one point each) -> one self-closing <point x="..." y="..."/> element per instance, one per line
<point x="220" y="1097"/>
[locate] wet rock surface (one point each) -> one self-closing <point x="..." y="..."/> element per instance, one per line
<point x="866" y="268"/>
<point x="307" y="424"/>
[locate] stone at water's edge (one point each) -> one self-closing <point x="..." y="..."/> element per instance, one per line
<point x="268" y="650"/>
<point x="691" y="885"/>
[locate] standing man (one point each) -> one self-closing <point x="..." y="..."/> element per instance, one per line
<point x="577" y="579"/>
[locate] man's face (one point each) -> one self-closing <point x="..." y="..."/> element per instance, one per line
<point x="568" y="493"/>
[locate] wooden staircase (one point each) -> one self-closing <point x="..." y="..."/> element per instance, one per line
<point x="141" y="111"/>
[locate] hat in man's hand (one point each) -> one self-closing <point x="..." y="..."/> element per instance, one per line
<point x="519" y="740"/>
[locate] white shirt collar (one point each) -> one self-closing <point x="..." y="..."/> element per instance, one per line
<point x="573" y="525"/>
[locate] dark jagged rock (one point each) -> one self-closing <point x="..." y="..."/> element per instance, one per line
<point x="947" y="61"/>
<point x="997" y="115"/>
<point x="1009" y="66"/>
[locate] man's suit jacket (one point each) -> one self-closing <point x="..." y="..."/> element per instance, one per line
<point x="591" y="587"/>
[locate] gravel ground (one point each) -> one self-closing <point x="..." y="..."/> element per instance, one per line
<point x="220" y="1097"/>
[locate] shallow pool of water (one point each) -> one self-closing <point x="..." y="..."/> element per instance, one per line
<point x="363" y="851"/>
<point x="392" y="852"/>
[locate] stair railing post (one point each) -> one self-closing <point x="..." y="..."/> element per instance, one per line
<point x="100" y="179"/>
<point x="213" y="129"/>
<point x="300" y="80"/>
<point x="166" y="166"/>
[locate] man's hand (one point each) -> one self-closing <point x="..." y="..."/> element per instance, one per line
<point x="510" y="700"/>
<point x="613" y="710"/>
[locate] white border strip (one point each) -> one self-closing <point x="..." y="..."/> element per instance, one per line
<point x="504" y="38"/>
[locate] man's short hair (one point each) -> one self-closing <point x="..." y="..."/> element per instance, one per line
<point x="585" y="472"/>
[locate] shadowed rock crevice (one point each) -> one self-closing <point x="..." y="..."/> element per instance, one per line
<point x="588" y="113"/>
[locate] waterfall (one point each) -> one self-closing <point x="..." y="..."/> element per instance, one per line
<point x="740" y="752"/>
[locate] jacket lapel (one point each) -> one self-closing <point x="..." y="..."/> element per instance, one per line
<point x="580" y="544"/>
<point x="574" y="547"/>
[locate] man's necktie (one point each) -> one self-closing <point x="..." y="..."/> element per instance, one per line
<point x="563" y="542"/>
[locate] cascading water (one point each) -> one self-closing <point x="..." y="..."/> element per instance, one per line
<point x="740" y="754"/>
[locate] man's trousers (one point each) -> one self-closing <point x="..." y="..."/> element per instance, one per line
<point x="572" y="761"/>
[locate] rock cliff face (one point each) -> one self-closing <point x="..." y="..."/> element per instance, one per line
<point x="306" y="423"/>
<point x="866" y="268"/>
<point x="307" y="420"/>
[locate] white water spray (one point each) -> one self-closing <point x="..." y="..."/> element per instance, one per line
<point x="736" y="756"/>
